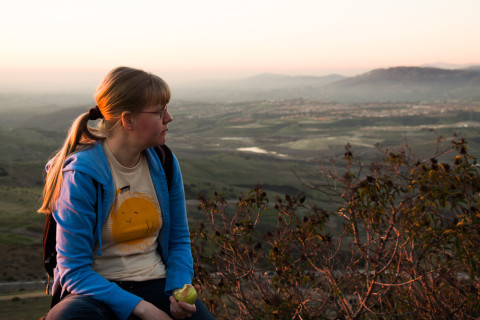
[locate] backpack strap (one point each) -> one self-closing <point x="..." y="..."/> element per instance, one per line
<point x="57" y="295"/>
<point x="166" y="159"/>
<point x="49" y="238"/>
<point x="49" y="252"/>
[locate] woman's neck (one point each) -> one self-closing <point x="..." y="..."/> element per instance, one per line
<point x="127" y="154"/>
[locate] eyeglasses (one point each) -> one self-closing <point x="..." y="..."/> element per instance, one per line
<point x="159" y="114"/>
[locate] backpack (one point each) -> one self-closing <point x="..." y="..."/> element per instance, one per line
<point x="50" y="228"/>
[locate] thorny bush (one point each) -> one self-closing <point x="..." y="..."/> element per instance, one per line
<point x="401" y="242"/>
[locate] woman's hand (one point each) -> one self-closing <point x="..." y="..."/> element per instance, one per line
<point x="180" y="309"/>
<point x="147" y="311"/>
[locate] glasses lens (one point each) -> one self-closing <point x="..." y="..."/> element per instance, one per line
<point x="162" y="112"/>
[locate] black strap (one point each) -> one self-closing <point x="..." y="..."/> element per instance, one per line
<point x="166" y="158"/>
<point x="49" y="239"/>
<point x="57" y="295"/>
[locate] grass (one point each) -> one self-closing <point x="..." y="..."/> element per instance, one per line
<point x="19" y="221"/>
<point x="234" y="173"/>
<point x="8" y="238"/>
<point x="18" y="308"/>
<point x="22" y="144"/>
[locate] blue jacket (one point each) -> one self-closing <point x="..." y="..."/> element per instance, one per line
<point x="83" y="206"/>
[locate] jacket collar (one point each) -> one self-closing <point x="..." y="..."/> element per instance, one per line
<point x="91" y="160"/>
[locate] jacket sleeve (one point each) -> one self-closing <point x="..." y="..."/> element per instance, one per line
<point x="76" y="222"/>
<point x="179" y="260"/>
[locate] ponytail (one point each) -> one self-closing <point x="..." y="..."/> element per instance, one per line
<point x="78" y="136"/>
<point x="122" y="90"/>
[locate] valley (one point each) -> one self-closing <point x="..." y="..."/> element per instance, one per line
<point x="224" y="146"/>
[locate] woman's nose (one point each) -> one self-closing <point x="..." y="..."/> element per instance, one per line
<point x="167" y="117"/>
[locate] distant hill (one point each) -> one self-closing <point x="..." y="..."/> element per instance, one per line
<point x="473" y="68"/>
<point x="393" y="84"/>
<point x="57" y="121"/>
<point x="259" y="87"/>
<point x="407" y="84"/>
<point x="276" y="81"/>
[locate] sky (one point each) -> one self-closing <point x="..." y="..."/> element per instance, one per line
<point x="70" y="45"/>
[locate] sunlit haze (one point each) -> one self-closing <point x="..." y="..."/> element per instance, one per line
<point x="68" y="45"/>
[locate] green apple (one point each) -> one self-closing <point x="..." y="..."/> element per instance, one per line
<point x="187" y="294"/>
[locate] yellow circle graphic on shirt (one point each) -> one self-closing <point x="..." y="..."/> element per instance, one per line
<point x="135" y="222"/>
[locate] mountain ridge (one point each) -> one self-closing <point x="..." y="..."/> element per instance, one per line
<point x="408" y="84"/>
<point x="402" y="83"/>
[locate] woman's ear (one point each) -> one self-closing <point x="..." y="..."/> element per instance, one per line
<point x="127" y="120"/>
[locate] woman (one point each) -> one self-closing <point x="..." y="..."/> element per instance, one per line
<point x="123" y="243"/>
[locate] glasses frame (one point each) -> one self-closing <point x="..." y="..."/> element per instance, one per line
<point x="160" y="113"/>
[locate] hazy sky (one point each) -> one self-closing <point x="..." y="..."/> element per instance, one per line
<point x="73" y="43"/>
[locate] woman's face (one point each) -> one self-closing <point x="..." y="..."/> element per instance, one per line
<point x="151" y="125"/>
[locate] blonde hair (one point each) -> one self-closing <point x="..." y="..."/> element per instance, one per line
<point x="122" y="89"/>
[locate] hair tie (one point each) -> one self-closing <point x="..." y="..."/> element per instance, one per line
<point x="94" y="113"/>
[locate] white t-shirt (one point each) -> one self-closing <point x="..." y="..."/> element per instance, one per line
<point x="129" y="246"/>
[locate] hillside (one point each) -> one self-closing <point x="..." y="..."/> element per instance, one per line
<point x="410" y="84"/>
<point x="55" y="121"/>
